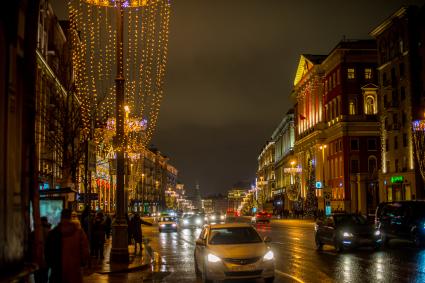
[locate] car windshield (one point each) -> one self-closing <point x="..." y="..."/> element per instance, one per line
<point x="167" y="219"/>
<point x="350" y="220"/>
<point x="234" y="236"/>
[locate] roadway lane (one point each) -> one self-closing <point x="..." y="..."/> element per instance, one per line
<point x="293" y="241"/>
<point x="296" y="257"/>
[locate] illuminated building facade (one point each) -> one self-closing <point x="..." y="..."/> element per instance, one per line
<point x="348" y="152"/>
<point x="400" y="39"/>
<point x="308" y="118"/>
<point x="266" y="174"/>
<point x="284" y="164"/>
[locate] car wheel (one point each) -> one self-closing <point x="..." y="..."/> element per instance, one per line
<point x="339" y="247"/>
<point x="269" y="280"/>
<point x="319" y="244"/>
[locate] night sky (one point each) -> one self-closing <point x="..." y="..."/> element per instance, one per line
<point x="230" y="72"/>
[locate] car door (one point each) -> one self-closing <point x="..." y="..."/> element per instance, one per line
<point x="200" y="247"/>
<point x="329" y="229"/>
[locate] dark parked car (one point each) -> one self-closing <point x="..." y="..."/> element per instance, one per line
<point x="402" y="220"/>
<point x="346" y="231"/>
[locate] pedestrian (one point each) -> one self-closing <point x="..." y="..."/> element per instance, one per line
<point x="137" y="222"/>
<point x="129" y="229"/>
<point x="66" y="251"/>
<point x="98" y="236"/>
<point x="42" y="274"/>
<point x="108" y="226"/>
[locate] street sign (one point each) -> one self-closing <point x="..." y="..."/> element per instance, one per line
<point x="328" y="210"/>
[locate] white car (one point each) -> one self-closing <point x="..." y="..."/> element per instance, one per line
<point x="167" y="223"/>
<point x="233" y="251"/>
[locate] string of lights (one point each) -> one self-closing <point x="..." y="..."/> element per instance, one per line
<point x="93" y="25"/>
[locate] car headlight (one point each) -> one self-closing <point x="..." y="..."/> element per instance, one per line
<point x="162" y="225"/>
<point x="377" y="233"/>
<point x="213" y="258"/>
<point x="205" y="218"/>
<point x="347" y="234"/>
<point x="198" y="221"/>
<point x="213" y="217"/>
<point x="185" y="222"/>
<point x="222" y="217"/>
<point x="174" y="225"/>
<point x="268" y="256"/>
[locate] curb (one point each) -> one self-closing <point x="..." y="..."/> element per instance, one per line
<point x="127" y="270"/>
<point x="141" y="267"/>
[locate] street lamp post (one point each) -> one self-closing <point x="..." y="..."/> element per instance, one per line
<point x="119" y="251"/>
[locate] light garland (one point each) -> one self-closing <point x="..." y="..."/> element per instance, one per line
<point x="93" y="29"/>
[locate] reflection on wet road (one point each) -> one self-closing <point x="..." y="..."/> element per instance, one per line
<point x="296" y="257"/>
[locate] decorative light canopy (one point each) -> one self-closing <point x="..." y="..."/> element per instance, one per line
<point x="93" y="25"/>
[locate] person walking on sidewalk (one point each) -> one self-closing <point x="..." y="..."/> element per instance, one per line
<point x="98" y="236"/>
<point x="66" y="251"/>
<point x="42" y="274"/>
<point x="137" y="222"/>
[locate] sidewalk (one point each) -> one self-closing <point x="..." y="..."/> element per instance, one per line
<point x="140" y="261"/>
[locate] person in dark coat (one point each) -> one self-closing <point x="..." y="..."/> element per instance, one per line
<point x="137" y="222"/>
<point x="129" y="229"/>
<point x="108" y="226"/>
<point x="42" y="274"/>
<point x="66" y="251"/>
<point x="98" y="236"/>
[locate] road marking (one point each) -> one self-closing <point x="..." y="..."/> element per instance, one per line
<point x="288" y="275"/>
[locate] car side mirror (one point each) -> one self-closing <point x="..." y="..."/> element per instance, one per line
<point x="267" y="239"/>
<point x="200" y="242"/>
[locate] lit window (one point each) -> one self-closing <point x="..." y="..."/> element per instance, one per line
<point x="352" y="108"/>
<point x="367" y="73"/>
<point x="370" y="105"/>
<point x="350" y="74"/>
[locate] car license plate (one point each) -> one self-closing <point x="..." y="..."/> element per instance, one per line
<point x="246" y="267"/>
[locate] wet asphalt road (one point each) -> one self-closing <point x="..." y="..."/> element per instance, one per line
<point x="296" y="258"/>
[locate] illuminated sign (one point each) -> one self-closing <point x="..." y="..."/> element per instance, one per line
<point x="397" y="179"/>
<point x="318" y="185"/>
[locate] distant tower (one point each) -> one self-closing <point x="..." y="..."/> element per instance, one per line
<point x="197" y="198"/>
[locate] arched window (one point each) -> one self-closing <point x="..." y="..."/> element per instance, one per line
<point x="372" y="164"/>
<point x="370" y="105"/>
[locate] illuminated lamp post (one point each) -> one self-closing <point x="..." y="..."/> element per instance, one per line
<point x="95" y="37"/>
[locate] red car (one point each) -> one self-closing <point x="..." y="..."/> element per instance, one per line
<point x="263" y="217"/>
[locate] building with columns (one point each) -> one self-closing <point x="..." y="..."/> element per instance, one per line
<point x="285" y="168"/>
<point x="309" y="119"/>
<point x="266" y="174"/>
